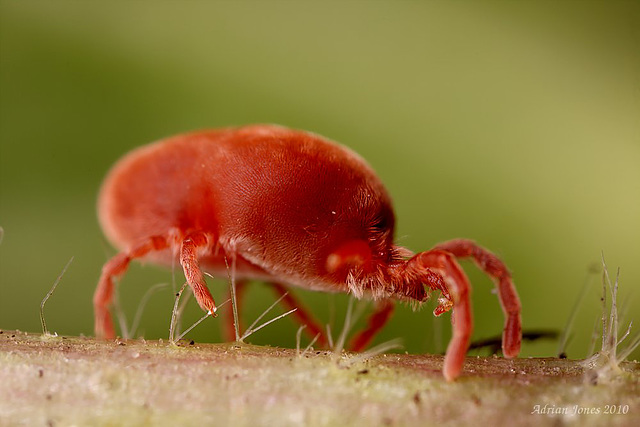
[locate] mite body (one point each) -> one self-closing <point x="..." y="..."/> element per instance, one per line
<point x="285" y="207"/>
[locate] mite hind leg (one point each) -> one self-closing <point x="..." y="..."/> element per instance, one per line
<point x="191" y="245"/>
<point x="114" y="268"/>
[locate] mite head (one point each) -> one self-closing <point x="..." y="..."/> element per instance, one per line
<point x="360" y="241"/>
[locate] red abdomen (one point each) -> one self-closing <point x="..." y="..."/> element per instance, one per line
<point x="162" y="186"/>
<point x="275" y="197"/>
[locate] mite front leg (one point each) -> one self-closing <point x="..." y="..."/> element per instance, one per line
<point x="457" y="291"/>
<point x="192" y="272"/>
<point x="114" y="268"/>
<point x="494" y="267"/>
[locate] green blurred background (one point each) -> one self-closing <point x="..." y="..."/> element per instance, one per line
<point x="516" y="124"/>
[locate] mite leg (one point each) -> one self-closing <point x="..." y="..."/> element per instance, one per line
<point x="377" y="320"/>
<point x="458" y="292"/>
<point x="301" y="314"/>
<point x="229" y="330"/>
<point x="114" y="268"/>
<point x="192" y="272"/>
<point x="494" y="267"/>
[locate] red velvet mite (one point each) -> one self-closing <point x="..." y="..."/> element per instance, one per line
<point x="289" y="208"/>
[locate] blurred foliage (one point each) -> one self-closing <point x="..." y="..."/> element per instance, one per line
<point x="512" y="123"/>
